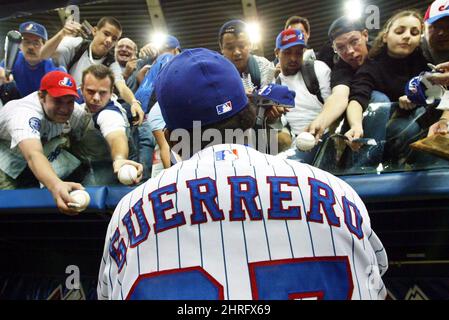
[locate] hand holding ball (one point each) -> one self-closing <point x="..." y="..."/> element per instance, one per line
<point x="81" y="198"/>
<point x="305" y="141"/>
<point x="127" y="174"/>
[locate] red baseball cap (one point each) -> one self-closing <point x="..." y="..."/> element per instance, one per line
<point x="58" y="84"/>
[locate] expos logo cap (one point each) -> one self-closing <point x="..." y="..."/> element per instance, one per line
<point x="290" y="38"/>
<point x="58" y="84"/>
<point x="275" y="94"/>
<point x="35" y="28"/>
<point x="415" y="91"/>
<point x="199" y="85"/>
<point x="437" y="10"/>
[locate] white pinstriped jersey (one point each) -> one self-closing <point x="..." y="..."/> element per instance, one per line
<point x="25" y="119"/>
<point x="233" y="223"/>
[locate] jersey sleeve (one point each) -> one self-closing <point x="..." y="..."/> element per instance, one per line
<point x="26" y="125"/>
<point x="104" y="285"/>
<point x="110" y="121"/>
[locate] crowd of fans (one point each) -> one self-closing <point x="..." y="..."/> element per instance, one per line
<point x="116" y="119"/>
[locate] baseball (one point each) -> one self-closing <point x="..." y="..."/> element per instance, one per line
<point x="81" y="198"/>
<point x="127" y="174"/>
<point x="305" y="141"/>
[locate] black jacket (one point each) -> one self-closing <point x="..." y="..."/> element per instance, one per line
<point x="387" y="75"/>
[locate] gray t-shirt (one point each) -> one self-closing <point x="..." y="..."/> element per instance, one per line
<point x="66" y="52"/>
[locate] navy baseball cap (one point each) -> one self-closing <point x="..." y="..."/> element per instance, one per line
<point x="275" y="94"/>
<point x="290" y="38"/>
<point x="199" y="85"/>
<point x="344" y="25"/>
<point x="172" y="43"/>
<point x="233" y="26"/>
<point x="34" y="28"/>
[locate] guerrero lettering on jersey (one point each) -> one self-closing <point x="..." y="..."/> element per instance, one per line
<point x="250" y="226"/>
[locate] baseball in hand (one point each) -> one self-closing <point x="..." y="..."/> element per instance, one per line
<point x="81" y="198"/>
<point x="305" y="141"/>
<point x="127" y="174"/>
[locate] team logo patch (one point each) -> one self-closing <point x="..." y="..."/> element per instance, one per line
<point x="266" y="90"/>
<point x="35" y="124"/>
<point x="226" y="155"/>
<point x="30" y="27"/>
<point x="224" y="108"/>
<point x="66" y="82"/>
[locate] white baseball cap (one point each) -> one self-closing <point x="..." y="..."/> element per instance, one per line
<point x="437" y="10"/>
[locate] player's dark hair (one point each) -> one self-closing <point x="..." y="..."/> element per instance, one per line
<point x="111" y="20"/>
<point x="297" y="19"/>
<point x="243" y="120"/>
<point x="100" y="72"/>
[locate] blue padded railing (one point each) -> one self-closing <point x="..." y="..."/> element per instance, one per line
<point x="417" y="185"/>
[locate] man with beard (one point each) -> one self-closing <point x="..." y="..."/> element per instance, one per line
<point x="29" y="68"/>
<point x="290" y="47"/>
<point x="435" y="43"/>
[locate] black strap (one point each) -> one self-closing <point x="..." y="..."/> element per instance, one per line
<point x="310" y="79"/>
<point x="81" y="48"/>
<point x="254" y="71"/>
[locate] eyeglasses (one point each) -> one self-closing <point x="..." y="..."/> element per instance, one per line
<point x="343" y="48"/>
<point x="35" y="43"/>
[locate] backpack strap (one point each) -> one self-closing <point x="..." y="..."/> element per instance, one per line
<point x="82" y="47"/>
<point x="79" y="51"/>
<point x="254" y="71"/>
<point x="310" y="79"/>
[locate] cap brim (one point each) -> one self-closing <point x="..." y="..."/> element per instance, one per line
<point x="438" y="17"/>
<point x="34" y="33"/>
<point x="59" y="92"/>
<point x="293" y="44"/>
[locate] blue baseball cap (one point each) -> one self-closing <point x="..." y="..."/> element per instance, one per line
<point x="34" y="28"/>
<point x="275" y="94"/>
<point x="415" y="91"/>
<point x="290" y="38"/>
<point x="172" y="43"/>
<point x="199" y="85"/>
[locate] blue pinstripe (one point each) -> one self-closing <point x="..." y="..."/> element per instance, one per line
<point x="304" y="206"/>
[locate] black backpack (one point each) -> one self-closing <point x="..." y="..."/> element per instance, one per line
<point x="310" y="79"/>
<point x="82" y="47"/>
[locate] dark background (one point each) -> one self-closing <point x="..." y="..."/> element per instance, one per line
<point x="195" y="23"/>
